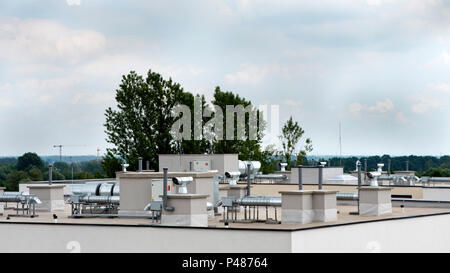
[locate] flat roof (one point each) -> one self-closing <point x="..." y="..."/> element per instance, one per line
<point x="343" y="218"/>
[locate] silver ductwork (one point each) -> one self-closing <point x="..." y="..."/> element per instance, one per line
<point x="96" y="188"/>
<point x="269" y="201"/>
<point x="22" y="197"/>
<point x="275" y="201"/>
<point x="255" y="166"/>
<point x="106" y="189"/>
<point x="101" y="200"/>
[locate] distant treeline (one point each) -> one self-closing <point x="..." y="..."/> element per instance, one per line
<point x="31" y="167"/>
<point x="422" y="165"/>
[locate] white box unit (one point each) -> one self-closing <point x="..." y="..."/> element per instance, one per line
<point x="201" y="165"/>
<point x="157" y="188"/>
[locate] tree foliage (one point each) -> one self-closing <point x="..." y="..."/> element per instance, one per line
<point x="247" y="149"/>
<point x="141" y="125"/>
<point x="291" y="135"/>
<point x="28" y="160"/>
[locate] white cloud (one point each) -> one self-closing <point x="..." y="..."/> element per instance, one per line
<point x="379" y="107"/>
<point x="373" y="2"/>
<point x="73" y="2"/>
<point x="93" y="98"/>
<point x="293" y="103"/>
<point x="249" y="73"/>
<point x="356" y="107"/>
<point x="424" y="103"/>
<point x="41" y="40"/>
<point x="382" y="106"/>
<point x="400" y="117"/>
<point x="442" y="87"/>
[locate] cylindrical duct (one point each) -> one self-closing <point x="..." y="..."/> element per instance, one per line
<point x="116" y="189"/>
<point x="320" y="176"/>
<point x="106" y="189"/>
<point x="300" y="178"/>
<point x="140" y="164"/>
<point x="50" y="174"/>
<point x="248" y="179"/>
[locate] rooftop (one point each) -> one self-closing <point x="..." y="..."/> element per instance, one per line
<point x="344" y="218"/>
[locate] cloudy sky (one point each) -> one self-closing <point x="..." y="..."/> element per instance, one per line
<point x="380" y="67"/>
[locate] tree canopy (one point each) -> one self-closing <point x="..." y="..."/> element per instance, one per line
<point x="29" y="160"/>
<point x="291" y="135"/>
<point x="141" y="124"/>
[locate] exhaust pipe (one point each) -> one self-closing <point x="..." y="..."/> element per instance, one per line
<point x="165" y="171"/>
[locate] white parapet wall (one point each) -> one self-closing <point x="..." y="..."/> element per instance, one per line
<point x="436" y="193"/>
<point x="400" y="235"/>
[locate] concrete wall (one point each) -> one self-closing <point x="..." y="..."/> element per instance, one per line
<point x="311" y="175"/>
<point x="436" y="193"/>
<point x="418" y="234"/>
<point x="180" y="163"/>
<point x="90" y="238"/>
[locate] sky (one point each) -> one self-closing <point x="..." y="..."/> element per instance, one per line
<point x="381" y="68"/>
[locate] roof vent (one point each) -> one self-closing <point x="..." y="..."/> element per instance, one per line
<point x="182" y="182"/>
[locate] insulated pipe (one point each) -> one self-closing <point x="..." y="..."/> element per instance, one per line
<point x="101" y="199"/>
<point x="320" y="176"/>
<point x="389" y="167"/>
<point x="358" y="164"/>
<point x="276" y="201"/>
<point x="300" y="178"/>
<point x="50" y="174"/>
<point x="271" y="176"/>
<point x="140" y="164"/>
<point x="248" y="178"/>
<point x="165" y="171"/>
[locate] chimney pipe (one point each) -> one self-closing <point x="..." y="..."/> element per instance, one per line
<point x="320" y="176"/>
<point x="248" y="179"/>
<point x="300" y="181"/>
<point x="50" y="174"/>
<point x="165" y="175"/>
<point x="140" y="164"/>
<point x="358" y="164"/>
<point x="389" y="167"/>
<point x="148" y="165"/>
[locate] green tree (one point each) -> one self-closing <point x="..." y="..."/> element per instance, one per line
<point x="268" y="161"/>
<point x="291" y="135"/>
<point x="35" y="174"/>
<point x="28" y="160"/>
<point x="111" y="164"/>
<point x="247" y="149"/>
<point x="194" y="146"/>
<point x="141" y="125"/>
<point x="12" y="183"/>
